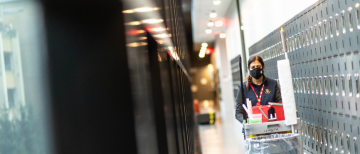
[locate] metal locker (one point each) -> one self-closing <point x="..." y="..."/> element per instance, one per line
<point x="355" y="133"/>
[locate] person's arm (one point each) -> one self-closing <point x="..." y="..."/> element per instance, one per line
<point x="239" y="109"/>
<point x="278" y="93"/>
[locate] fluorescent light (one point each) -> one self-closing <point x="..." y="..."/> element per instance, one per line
<point x="164" y="35"/>
<point x="133" y="23"/>
<point x="208" y="31"/>
<point x="210" y="23"/>
<point x="222" y="35"/>
<point x="204" y="45"/>
<point x="155" y="29"/>
<point x="217" y="2"/>
<point x="152" y="21"/>
<point x="211" y="67"/>
<point x="213" y="15"/>
<point x="202" y="53"/>
<point x="219" y="23"/>
<point x="143" y="9"/>
<point x="136" y="44"/>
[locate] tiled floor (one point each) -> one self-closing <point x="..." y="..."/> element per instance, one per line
<point x="224" y="137"/>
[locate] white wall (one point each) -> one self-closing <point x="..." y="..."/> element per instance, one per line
<point x="222" y="64"/>
<point x="259" y="17"/>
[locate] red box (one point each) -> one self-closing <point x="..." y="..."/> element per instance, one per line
<point x="279" y="110"/>
<point x="265" y="108"/>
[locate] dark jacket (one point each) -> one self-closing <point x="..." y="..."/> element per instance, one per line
<point x="271" y="93"/>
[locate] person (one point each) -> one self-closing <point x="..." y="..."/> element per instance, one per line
<point x="257" y="88"/>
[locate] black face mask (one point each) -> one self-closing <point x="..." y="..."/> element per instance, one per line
<point x="256" y="73"/>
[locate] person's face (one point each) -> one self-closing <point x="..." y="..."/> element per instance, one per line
<point x="255" y="64"/>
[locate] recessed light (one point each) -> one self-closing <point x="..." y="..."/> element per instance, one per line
<point x="208" y="31"/>
<point x="213" y="14"/>
<point x="217" y="2"/>
<point x="210" y="23"/>
<point x="152" y="21"/>
<point x="222" y="35"/>
<point x="219" y="23"/>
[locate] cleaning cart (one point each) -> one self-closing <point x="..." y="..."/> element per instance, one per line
<point x="271" y="135"/>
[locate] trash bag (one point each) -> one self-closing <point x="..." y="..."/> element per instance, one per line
<point x="274" y="144"/>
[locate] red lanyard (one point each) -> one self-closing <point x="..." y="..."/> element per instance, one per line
<point x="258" y="97"/>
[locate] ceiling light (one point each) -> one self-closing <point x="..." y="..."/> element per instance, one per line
<point x="202" y="53"/>
<point x="210" y="23"/>
<point x="152" y="21"/>
<point x="128" y="11"/>
<point x="133" y="23"/>
<point x="143" y="9"/>
<point x="217" y="2"/>
<point x="219" y="23"/>
<point x="204" y="45"/>
<point x="136" y="44"/>
<point x="242" y="28"/>
<point x="208" y="31"/>
<point x="222" y="35"/>
<point x="155" y="29"/>
<point x="211" y="67"/>
<point x="213" y="14"/>
<point x="164" y="35"/>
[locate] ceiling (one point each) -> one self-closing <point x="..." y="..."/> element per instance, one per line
<point x="201" y="10"/>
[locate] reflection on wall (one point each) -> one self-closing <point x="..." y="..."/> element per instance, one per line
<point x="22" y="94"/>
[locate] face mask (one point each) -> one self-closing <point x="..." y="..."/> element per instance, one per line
<point x="256" y="73"/>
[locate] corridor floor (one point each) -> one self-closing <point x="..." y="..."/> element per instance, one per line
<point x="224" y="137"/>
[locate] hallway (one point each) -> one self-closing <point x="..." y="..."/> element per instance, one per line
<point x="224" y="137"/>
